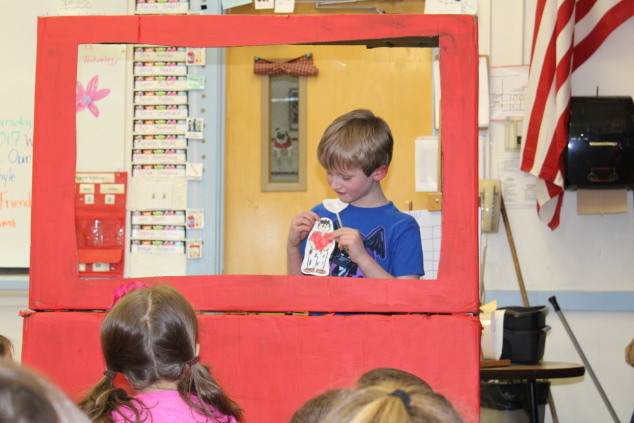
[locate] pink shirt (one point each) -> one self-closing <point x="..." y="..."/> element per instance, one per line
<point x="168" y="407"/>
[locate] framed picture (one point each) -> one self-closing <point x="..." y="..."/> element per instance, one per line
<point x="293" y="109"/>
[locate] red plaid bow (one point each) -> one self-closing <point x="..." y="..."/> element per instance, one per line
<point x="301" y="66"/>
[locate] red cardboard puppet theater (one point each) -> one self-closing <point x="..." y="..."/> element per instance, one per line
<point x="269" y="364"/>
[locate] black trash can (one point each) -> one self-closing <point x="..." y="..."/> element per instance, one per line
<point x="509" y="402"/>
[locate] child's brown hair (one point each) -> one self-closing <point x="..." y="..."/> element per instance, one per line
<point x="381" y="374"/>
<point x="356" y="140"/>
<point x="27" y="398"/>
<point x="6" y="346"/>
<point x="150" y="335"/>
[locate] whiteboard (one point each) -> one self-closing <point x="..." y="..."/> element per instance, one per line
<point x="18" y="28"/>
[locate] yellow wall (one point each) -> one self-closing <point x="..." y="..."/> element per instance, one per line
<point x="394" y="83"/>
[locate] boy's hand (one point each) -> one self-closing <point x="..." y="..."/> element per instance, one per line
<point x="301" y="225"/>
<point x="350" y="240"/>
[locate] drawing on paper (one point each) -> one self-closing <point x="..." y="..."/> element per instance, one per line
<point x="318" y="248"/>
<point x="88" y="97"/>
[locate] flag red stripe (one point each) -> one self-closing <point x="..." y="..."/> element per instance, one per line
<point x="582" y="9"/>
<point x="608" y="23"/>
<point x="547" y="75"/>
<point x="541" y="4"/>
<point x="546" y="78"/>
<point x="552" y="164"/>
<point x="555" y="220"/>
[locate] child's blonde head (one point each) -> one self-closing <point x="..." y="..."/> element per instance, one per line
<point x="393" y="402"/>
<point x="356" y="140"/>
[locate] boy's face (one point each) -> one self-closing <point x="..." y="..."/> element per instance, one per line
<point x="350" y="185"/>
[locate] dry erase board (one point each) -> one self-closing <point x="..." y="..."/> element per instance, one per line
<point x="18" y="30"/>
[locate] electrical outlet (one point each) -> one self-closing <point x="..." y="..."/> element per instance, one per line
<point x="158" y="196"/>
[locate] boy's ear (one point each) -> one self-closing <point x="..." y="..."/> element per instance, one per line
<point x="380" y="173"/>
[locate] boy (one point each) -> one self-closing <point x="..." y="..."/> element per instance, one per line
<point x="377" y="240"/>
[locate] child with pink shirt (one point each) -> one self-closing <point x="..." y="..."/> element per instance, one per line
<point x="150" y="335"/>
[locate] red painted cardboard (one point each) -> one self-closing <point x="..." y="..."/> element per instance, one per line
<point x="271" y="365"/>
<point x="54" y="279"/>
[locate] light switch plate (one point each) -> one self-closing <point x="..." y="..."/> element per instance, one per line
<point x="158" y="196"/>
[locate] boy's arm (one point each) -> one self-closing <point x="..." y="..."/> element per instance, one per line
<point x="350" y="240"/>
<point x="301" y="225"/>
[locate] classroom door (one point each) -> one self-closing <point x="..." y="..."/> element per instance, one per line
<point x="394" y="83"/>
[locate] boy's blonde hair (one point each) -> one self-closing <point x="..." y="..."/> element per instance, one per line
<point x="356" y="140"/>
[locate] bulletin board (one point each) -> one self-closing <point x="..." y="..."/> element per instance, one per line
<point x="18" y="30"/>
<point x="54" y="251"/>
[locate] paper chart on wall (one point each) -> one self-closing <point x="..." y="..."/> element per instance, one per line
<point x="100" y="114"/>
<point x="508" y="91"/>
<point x="430" y="224"/>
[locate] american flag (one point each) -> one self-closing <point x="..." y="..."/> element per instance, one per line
<point x="566" y="34"/>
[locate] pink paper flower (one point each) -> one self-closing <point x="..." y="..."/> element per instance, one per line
<point x="88" y="97"/>
<point x="124" y="289"/>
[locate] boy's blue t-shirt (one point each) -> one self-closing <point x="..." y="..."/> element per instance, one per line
<point x="389" y="235"/>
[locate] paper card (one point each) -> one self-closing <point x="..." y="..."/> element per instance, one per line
<point x="195" y="171"/>
<point x="101" y="267"/>
<point x="264" y="4"/>
<point x="195" y="56"/>
<point x="195" y="218"/>
<point x="158" y="217"/>
<point x="228" y="4"/>
<point x="112" y="189"/>
<point x="162" y="8"/>
<point x="194" y="248"/>
<point x="426" y="164"/>
<point x="95" y="178"/>
<point x="109" y="199"/>
<point x="159" y="171"/>
<point x="163" y="111"/>
<point x="194" y="128"/>
<point x="162" y="156"/>
<point x="160" y="126"/>
<point x="160" y="141"/>
<point x="318" y="249"/>
<point x="159" y="53"/>
<point x="157" y="246"/>
<point x="284" y="6"/>
<point x="160" y="97"/>
<point x="86" y="188"/>
<point x="159" y="68"/>
<point x="442" y="7"/>
<point x="164" y="232"/>
<point x="89" y="199"/>
<point x="159" y="83"/>
<point x="195" y="82"/>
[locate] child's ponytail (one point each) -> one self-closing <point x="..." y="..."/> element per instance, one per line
<point x="103" y="399"/>
<point x="198" y="381"/>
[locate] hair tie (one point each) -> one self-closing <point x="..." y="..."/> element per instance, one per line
<point x="404" y="396"/>
<point x="110" y="374"/>
<point x="192" y="361"/>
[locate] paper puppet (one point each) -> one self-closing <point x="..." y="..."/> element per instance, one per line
<point x="318" y="249"/>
